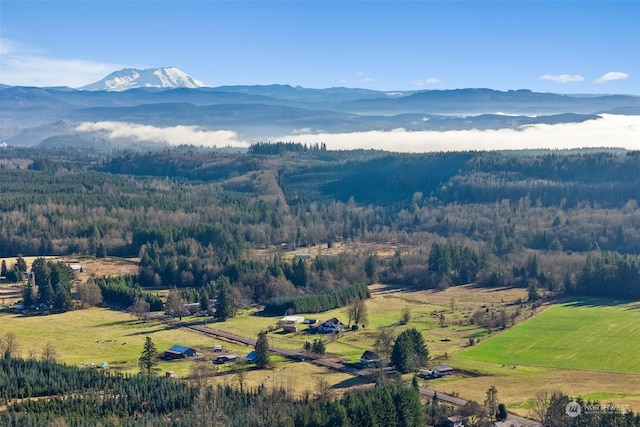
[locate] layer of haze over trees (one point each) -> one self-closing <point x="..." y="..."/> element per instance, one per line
<point x="199" y="220"/>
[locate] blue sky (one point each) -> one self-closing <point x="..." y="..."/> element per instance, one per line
<point x="547" y="46"/>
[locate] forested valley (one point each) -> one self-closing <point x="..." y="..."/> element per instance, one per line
<point x="565" y="221"/>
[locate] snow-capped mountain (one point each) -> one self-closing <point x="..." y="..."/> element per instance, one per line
<point x="129" y="78"/>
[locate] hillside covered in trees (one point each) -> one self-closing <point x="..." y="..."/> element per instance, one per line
<point x="562" y="221"/>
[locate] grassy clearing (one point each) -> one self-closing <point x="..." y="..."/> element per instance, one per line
<point x="594" y="335"/>
<point x="100" y="335"/>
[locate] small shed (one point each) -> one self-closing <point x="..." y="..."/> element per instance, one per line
<point x="179" y="352"/>
<point x="251" y="357"/>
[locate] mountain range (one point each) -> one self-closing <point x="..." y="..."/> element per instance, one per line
<point x="168" y="97"/>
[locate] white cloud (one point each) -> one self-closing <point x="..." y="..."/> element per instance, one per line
<point x="562" y="78"/>
<point x="429" y="81"/>
<point x="176" y="135"/>
<point x="608" y="131"/>
<point x="612" y="76"/>
<point x="23" y="66"/>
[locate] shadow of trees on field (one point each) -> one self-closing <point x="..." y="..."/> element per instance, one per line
<point x="351" y="382"/>
<point x="601" y="302"/>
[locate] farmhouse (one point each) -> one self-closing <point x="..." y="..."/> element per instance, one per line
<point x="179" y="352"/>
<point x="369" y="359"/>
<point x="330" y="326"/>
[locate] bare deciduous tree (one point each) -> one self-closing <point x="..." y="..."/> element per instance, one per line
<point x="175" y="305"/>
<point x="473" y="412"/>
<point x="9" y="345"/>
<point x="49" y="352"/>
<point x="240" y="371"/>
<point x="90" y="294"/>
<point x="384" y="342"/>
<point x="199" y="372"/>
<point x="323" y="389"/>
<point x="549" y="408"/>
<point x="358" y="312"/>
<point x="208" y="409"/>
<point x="140" y="308"/>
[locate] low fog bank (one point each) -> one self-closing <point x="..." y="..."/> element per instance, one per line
<point x="175" y="135"/>
<point x="608" y="131"/>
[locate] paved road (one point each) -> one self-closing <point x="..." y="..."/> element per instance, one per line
<point x="323" y="362"/>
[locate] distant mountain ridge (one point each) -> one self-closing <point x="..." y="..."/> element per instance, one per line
<point x="31" y="115"/>
<point x="130" y="78"/>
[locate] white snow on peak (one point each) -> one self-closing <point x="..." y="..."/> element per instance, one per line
<point x="129" y="78"/>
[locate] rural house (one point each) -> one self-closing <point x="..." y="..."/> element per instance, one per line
<point x="369" y="359"/>
<point x="330" y="326"/>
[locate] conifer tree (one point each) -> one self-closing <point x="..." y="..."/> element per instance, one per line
<point x="262" y="350"/>
<point x="148" y="362"/>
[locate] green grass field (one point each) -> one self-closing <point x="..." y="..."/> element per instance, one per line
<point x="589" y="334"/>
<point x="98" y="335"/>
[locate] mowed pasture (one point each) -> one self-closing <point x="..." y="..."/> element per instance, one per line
<point x="589" y="334"/>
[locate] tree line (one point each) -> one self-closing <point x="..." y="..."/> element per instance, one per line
<point x="317" y="303"/>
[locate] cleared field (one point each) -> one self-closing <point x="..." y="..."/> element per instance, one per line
<point x="590" y="334"/>
<point x="98" y="335"/>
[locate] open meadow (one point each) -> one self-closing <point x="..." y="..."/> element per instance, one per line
<point x="98" y="335"/>
<point x="587" y="334"/>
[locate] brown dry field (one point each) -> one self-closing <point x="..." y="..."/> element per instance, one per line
<point x="91" y="267"/>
